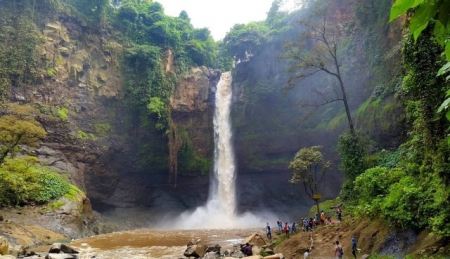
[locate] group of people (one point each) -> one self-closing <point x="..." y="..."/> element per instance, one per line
<point x="309" y="224"/>
<point x="287" y="229"/>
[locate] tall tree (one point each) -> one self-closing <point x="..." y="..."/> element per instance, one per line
<point x="309" y="168"/>
<point x="317" y="51"/>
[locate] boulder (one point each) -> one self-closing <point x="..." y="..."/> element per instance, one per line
<point x="215" y="249"/>
<point x="211" y="255"/>
<point x="17" y="250"/>
<point x="7" y="257"/>
<point x="255" y="239"/>
<point x="61" y="256"/>
<point x="58" y="248"/>
<point x="4" y="247"/>
<point x="275" y="256"/>
<point x="254" y="257"/>
<point x="256" y="250"/>
<point x="195" y="251"/>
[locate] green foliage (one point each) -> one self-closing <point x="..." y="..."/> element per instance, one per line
<point x="426" y="14"/>
<point x="263" y="252"/>
<point x="52" y="186"/>
<point x="329" y="207"/>
<point x="309" y="168"/>
<point x="353" y="148"/>
<point x="91" y="12"/>
<point x="86" y="136"/>
<point x="373" y="186"/>
<point x="189" y="160"/>
<point x="128" y="13"/>
<point x="73" y="192"/>
<point x="102" y="129"/>
<point x="245" y="40"/>
<point x="57" y="204"/>
<point x="63" y="113"/>
<point x="18" y="127"/>
<point x="51" y="72"/>
<point x="19" y="59"/>
<point x="23" y="181"/>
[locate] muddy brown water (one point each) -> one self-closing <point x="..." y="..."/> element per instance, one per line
<point x="149" y="244"/>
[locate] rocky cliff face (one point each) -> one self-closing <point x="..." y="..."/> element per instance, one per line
<point x="91" y="137"/>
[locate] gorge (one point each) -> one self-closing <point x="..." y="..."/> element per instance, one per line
<point x="116" y="104"/>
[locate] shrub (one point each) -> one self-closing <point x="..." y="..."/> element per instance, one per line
<point x="24" y="181"/>
<point x="373" y="186"/>
<point x="127" y="12"/>
<point x="63" y="113"/>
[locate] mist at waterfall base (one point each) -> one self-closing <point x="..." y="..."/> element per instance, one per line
<point x="220" y="210"/>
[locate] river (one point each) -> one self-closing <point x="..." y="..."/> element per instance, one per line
<point x="149" y="244"/>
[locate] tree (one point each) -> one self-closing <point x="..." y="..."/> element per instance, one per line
<point x="317" y="50"/>
<point x="18" y="127"/>
<point x="308" y="168"/>
<point x="245" y="40"/>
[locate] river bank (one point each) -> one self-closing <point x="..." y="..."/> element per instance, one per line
<point x="373" y="236"/>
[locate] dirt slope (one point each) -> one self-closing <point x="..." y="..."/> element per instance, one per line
<point x="374" y="237"/>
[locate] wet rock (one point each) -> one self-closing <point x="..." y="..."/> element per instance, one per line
<point x="215" y="249"/>
<point x="254" y="239"/>
<point x="17" y="250"/>
<point x="4" y="247"/>
<point x="61" y="256"/>
<point x="195" y="251"/>
<point x="58" y="248"/>
<point x="211" y="255"/>
<point x="275" y="256"/>
<point x="7" y="257"/>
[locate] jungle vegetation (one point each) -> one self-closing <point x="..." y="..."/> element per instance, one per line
<point x="396" y="167"/>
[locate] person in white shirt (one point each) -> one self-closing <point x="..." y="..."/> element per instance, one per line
<point x="306" y="254"/>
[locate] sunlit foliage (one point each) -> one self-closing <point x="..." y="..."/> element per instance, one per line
<point x="23" y="181"/>
<point x="18" y="127"/>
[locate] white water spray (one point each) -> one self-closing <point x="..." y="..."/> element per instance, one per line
<point x="220" y="210"/>
<point x="224" y="167"/>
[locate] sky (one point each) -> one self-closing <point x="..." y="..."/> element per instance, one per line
<point x="218" y="15"/>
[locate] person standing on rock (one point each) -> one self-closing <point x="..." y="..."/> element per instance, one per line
<point x="269" y="233"/>
<point x="338" y="251"/>
<point x="354" y="247"/>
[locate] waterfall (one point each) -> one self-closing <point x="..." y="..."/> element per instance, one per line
<point x="224" y="167"/>
<point x="220" y="210"/>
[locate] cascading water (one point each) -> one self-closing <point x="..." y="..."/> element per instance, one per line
<point x="224" y="167"/>
<point x="220" y="210"/>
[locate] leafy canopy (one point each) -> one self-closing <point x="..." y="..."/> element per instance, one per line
<point x="18" y="127"/>
<point x="309" y="167"/>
